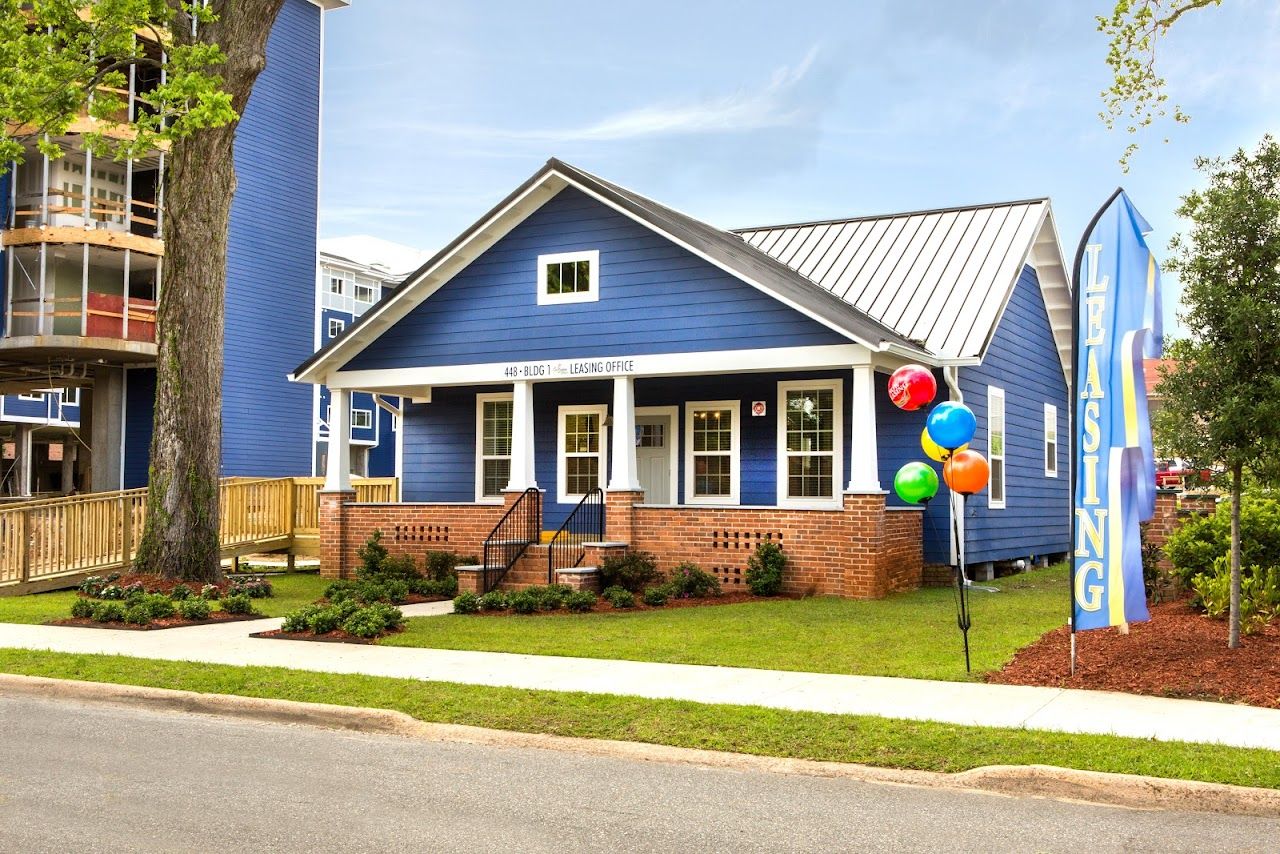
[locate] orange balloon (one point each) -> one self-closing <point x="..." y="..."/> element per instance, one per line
<point x="966" y="472"/>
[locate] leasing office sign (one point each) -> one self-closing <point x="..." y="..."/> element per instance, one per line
<point x="564" y="369"/>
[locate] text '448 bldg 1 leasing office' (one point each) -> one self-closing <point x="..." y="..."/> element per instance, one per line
<point x="618" y="374"/>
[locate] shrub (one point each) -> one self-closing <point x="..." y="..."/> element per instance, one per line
<point x="210" y="593"/>
<point x="690" y="581"/>
<point x="523" y="602"/>
<point x="237" y="603"/>
<point x="82" y="608"/>
<point x="194" y="609"/>
<point x="494" y="600"/>
<point x="180" y="592"/>
<point x="326" y="619"/>
<point x="92" y="586"/>
<point x="395" y="592"/>
<point x="137" y="614"/>
<point x="396" y="568"/>
<point x="158" y="605"/>
<point x="371" y="555"/>
<point x="1259" y="594"/>
<point x="429" y="587"/>
<point x="111" y="592"/>
<point x="299" y="621"/>
<point x="656" y="596"/>
<point x="619" y="597"/>
<point x="339" y="590"/>
<point x="466" y="603"/>
<point x="764" y="569"/>
<point x="580" y="601"/>
<point x="632" y="570"/>
<point x="108" y="612"/>
<point x="131" y="590"/>
<point x="440" y="565"/>
<point x="391" y="616"/>
<point x="550" y="597"/>
<point x="255" y="587"/>
<point x="1200" y="540"/>
<point x="365" y="623"/>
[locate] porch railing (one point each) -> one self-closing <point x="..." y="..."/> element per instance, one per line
<point x="48" y="543"/>
<point x="518" y="528"/>
<point x="584" y="525"/>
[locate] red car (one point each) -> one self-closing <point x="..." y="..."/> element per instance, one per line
<point x="1176" y="473"/>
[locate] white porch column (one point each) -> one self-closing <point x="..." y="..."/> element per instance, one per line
<point x="337" y="476"/>
<point x="624" y="436"/>
<point x="864" y="458"/>
<point x="523" y="474"/>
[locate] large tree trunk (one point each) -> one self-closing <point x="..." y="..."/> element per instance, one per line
<point x="1237" y="488"/>
<point x="181" y="535"/>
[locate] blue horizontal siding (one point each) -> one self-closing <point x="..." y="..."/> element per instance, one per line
<point x="1023" y="360"/>
<point x="271" y="257"/>
<point x="440" y="446"/>
<point x="140" y="401"/>
<point x="900" y="444"/>
<point x="655" y="297"/>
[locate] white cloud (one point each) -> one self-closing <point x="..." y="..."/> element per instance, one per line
<point x="779" y="104"/>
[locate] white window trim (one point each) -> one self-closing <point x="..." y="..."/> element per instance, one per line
<point x="1050" y="420"/>
<point x="481" y="399"/>
<point x="356" y="287"/>
<point x="672" y="414"/>
<point x="995" y="393"/>
<point x="355" y="412"/>
<point x="561" y="473"/>
<point x="836" y="499"/>
<point x="341" y="325"/>
<point x="592" y="293"/>
<point x="35" y="396"/>
<point x="735" y="452"/>
<point x="70" y="396"/>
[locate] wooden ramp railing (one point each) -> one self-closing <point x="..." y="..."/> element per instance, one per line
<point x="53" y="542"/>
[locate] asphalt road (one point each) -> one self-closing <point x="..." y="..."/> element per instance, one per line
<point x="77" y="777"/>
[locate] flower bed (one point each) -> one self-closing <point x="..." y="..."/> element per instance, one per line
<point x="140" y="602"/>
<point x="363" y="609"/>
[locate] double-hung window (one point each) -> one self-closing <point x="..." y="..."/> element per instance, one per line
<point x="336" y="326"/>
<point x="1050" y="440"/>
<point x="810" y="452"/>
<point x="335" y="285"/>
<point x="581" y="461"/>
<point x="713" y="448"/>
<point x="493" y="445"/>
<point x="569" y="277"/>
<point x="995" y="446"/>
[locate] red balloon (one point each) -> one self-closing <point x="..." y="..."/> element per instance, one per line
<point x="966" y="472"/>
<point x="912" y="386"/>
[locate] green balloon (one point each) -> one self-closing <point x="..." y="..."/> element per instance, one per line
<point x="916" y="482"/>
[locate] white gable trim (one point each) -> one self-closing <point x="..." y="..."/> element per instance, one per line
<point x="481" y="237"/>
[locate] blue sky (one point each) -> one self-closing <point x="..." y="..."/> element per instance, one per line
<point x="747" y="113"/>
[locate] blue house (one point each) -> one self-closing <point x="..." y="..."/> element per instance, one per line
<point x="582" y="345"/>
<point x="83" y="268"/>
<point x="355" y="273"/>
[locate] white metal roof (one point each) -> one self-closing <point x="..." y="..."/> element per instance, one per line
<point x="939" y="277"/>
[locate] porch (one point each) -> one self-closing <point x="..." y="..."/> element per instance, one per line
<point x="696" y="467"/>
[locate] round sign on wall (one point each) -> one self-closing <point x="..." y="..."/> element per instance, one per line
<point x="758" y="408"/>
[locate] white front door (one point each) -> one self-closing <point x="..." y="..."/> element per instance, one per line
<point x="655" y="442"/>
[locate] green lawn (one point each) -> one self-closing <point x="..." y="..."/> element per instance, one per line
<point x="908" y="634"/>
<point x="743" y="729"/>
<point x="292" y="591"/>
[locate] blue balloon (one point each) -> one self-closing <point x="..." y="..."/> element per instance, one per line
<point x="951" y="425"/>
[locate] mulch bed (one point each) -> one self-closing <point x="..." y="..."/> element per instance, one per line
<point x="602" y="606"/>
<point x="336" y="636"/>
<point x="174" y="622"/>
<point x="1179" y="653"/>
<point x="156" y="584"/>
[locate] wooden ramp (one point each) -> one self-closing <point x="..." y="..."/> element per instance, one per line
<point x="54" y="543"/>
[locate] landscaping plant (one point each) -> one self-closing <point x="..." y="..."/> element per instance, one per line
<point x="237" y="603"/>
<point x="656" y="597"/>
<point x="494" y="600"/>
<point x="690" y="581"/>
<point x="619" y="597"/>
<point x="466" y="603"/>
<point x="633" y="570"/>
<point x="764" y="569"/>
<point x="194" y="609"/>
<point x="580" y="601"/>
<point x="523" y="602"/>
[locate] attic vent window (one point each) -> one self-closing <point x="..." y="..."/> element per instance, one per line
<point x="569" y="277"/>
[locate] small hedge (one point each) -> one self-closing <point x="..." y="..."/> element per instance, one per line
<point x="633" y="571"/>
<point x="364" y="621"/>
<point x="764" y="569"/>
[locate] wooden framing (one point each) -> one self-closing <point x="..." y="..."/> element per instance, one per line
<point x="79" y="235"/>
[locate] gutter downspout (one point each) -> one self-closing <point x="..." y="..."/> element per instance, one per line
<point x="951" y="374"/>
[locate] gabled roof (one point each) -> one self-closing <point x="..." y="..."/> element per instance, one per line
<point x="941" y="277"/>
<point x="724" y="249"/>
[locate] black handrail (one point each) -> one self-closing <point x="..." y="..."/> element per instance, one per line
<point x="518" y="528"/>
<point x="584" y="525"/>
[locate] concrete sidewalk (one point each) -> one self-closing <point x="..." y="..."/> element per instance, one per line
<point x="967" y="703"/>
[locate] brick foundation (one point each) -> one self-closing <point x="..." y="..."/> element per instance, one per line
<point x="412" y="529"/>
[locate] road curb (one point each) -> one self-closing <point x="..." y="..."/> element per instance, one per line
<point x="1124" y="790"/>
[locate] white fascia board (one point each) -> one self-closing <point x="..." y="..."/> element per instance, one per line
<point x="553" y="370"/>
